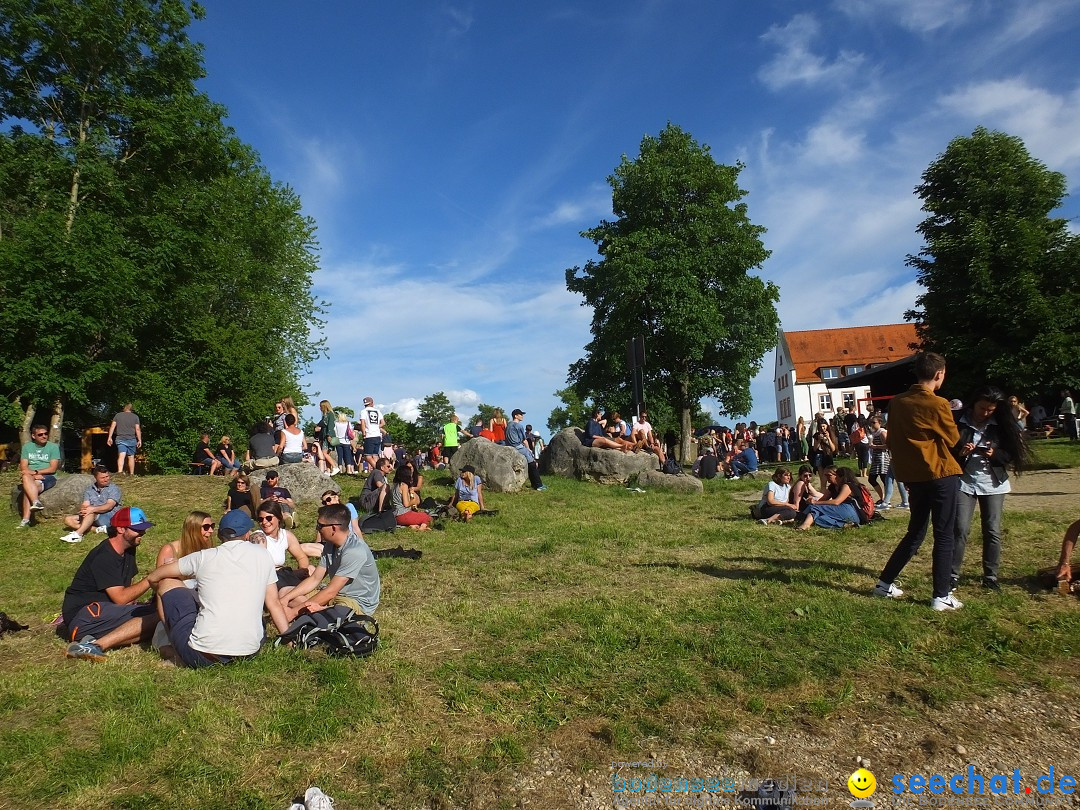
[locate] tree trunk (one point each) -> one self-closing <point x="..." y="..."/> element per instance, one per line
<point x="56" y="425"/>
<point x="687" y="426"/>
<point x="28" y="422"/>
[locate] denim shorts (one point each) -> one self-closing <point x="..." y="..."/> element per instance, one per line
<point x="128" y="446"/>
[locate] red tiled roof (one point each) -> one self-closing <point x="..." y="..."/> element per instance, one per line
<point x="815" y="349"/>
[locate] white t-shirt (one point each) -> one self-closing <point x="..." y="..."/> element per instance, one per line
<point x="232" y="580"/>
<point x="371" y="417"/>
<point x="294" y="442"/>
<point x="781" y="493"/>
<point x="277" y="546"/>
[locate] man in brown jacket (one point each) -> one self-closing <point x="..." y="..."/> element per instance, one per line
<point x="922" y="434"/>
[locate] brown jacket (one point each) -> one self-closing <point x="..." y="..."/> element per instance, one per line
<point x="922" y="433"/>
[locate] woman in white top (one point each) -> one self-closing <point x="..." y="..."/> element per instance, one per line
<point x="344" y="434"/>
<point x="775" y="506"/>
<point x="278" y="540"/>
<point x="291" y="442"/>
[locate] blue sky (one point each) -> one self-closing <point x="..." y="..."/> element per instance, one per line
<point x="451" y="153"/>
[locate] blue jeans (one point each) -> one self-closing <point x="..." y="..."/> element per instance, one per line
<point x="929" y="500"/>
<point x="889" y="481"/>
<point x="990" y="509"/>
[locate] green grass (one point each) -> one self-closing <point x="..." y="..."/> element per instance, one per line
<point x="592" y="618"/>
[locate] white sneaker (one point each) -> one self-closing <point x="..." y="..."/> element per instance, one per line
<point x="73" y="537"/>
<point x="949" y="602"/>
<point x="315" y="799"/>
<point x="37" y="506"/>
<point x="100" y="529"/>
<point x="24" y="524"/>
<point x="887" y="590"/>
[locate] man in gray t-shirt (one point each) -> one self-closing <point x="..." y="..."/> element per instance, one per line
<point x="126" y="432"/>
<point x="354" y="577"/>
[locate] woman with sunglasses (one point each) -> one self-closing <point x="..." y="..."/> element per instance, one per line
<point x="838" y="510"/>
<point x="329" y="498"/>
<point x="239" y="496"/>
<point x="278" y="541"/>
<point x="197" y="534"/>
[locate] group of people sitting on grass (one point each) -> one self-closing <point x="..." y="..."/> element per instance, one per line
<point x="207" y="601"/>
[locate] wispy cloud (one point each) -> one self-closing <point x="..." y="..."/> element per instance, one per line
<point x="591" y="206"/>
<point x="796" y="62"/>
<point x="919" y="16"/>
<point x="461" y="19"/>
<point x="1046" y="121"/>
<point x="1031" y="17"/>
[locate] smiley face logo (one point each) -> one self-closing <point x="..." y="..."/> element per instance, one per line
<point x="862" y="784"/>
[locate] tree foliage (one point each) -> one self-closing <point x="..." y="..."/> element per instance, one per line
<point x="145" y="254"/>
<point x="675" y="267"/>
<point x="435" y="411"/>
<point x="574" y="411"/>
<point x="1001" y="276"/>
<point x="402" y="432"/>
<point x="484" y="412"/>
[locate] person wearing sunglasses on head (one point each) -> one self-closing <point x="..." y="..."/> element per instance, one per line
<point x="100" y="611"/>
<point x="349" y="564"/>
<point x="331" y="497"/>
<point x="197" y="534"/>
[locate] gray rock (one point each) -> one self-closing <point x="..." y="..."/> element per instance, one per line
<point x="306" y="482"/>
<point x="502" y="468"/>
<point x="63" y="499"/>
<point x="653" y="479"/>
<point x="565" y="455"/>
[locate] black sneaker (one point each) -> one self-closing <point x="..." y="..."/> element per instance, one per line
<point x="991" y="585"/>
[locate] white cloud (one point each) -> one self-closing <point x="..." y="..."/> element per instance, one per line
<point x="1032" y="17"/>
<point x="796" y="63"/>
<point x="461" y="19"/>
<point x="587" y="210"/>
<point x="919" y="16"/>
<point x="1047" y="122"/>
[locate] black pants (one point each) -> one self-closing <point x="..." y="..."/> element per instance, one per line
<point x="534" y="475"/>
<point x="929" y="500"/>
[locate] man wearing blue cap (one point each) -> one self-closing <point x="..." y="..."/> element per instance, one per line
<point x="235" y="581"/>
<point x="100" y="610"/>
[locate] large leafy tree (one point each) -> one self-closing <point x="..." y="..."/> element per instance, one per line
<point x="675" y="266"/>
<point x="1001" y="275"/>
<point x="435" y="411"/>
<point x="145" y="255"/>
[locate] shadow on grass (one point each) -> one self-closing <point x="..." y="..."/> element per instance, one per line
<point x="780" y="576"/>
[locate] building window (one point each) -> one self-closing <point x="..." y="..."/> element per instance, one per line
<point x="852" y="370"/>
<point x="824" y="402"/>
<point x="831" y="373"/>
<point x="849" y="400"/>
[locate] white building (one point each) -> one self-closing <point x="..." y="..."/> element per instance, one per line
<point x="805" y="361"/>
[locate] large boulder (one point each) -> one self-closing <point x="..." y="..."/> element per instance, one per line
<point x="502" y="468"/>
<point x="565" y="455"/>
<point x="653" y="479"/>
<point x="306" y="482"/>
<point x="63" y="499"/>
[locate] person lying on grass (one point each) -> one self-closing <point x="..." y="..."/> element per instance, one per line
<point x="838" y="510"/>
<point x="347" y="560"/>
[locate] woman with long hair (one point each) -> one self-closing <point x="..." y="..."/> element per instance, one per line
<point x="775" y="506"/>
<point x="404" y="501"/>
<point x="803" y="492"/>
<point x="196" y="534"/>
<point x="991" y="444"/>
<point x="804" y="446"/>
<point x="838" y="510"/>
<point x="497" y="426"/>
<point x="468" y="497"/>
<point x="343" y="432"/>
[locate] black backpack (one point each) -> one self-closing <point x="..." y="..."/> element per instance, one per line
<point x="338" y="630"/>
<point x="671" y="467"/>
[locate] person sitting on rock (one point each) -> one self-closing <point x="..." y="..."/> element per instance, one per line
<point x="643" y="438"/>
<point x="100" y="500"/>
<point x="594" y="436"/>
<point x="515" y="437"/>
<point x="38" y="463"/>
<point x="270" y="490"/>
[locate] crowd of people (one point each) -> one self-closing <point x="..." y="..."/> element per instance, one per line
<point x="209" y="600"/>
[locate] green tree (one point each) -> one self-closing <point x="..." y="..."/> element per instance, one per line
<point x="402" y="432"/>
<point x="435" y="411"/>
<point x="1001" y="275"/>
<point x="675" y="267"/>
<point x="574" y="411"/>
<point x="484" y="413"/>
<point x="145" y="255"/>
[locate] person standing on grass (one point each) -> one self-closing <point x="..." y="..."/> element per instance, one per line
<point x="991" y="442"/>
<point x="922" y="434"/>
<point x="234" y="582"/>
<point x="374" y="426"/>
<point x="126" y="431"/>
<point x="100" y="611"/>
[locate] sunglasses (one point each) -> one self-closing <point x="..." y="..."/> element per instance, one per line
<point x="209" y="527"/>
<point x="325" y="525"/>
<point x="266" y="518"/>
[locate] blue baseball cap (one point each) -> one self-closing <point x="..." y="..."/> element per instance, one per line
<point x="234" y="524"/>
